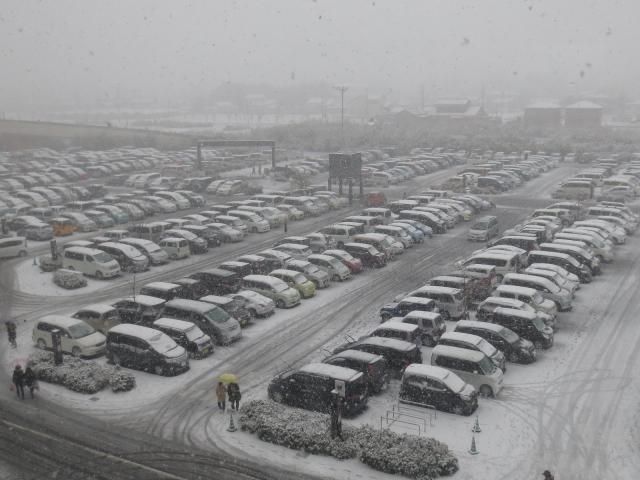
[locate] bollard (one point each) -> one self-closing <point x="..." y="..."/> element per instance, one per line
<point x="232" y="427"/>
<point x="473" y="450"/>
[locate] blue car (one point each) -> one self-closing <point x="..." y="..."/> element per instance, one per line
<point x="406" y="305"/>
<point x="416" y="235"/>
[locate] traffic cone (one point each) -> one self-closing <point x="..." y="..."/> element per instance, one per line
<point x="35" y="261"/>
<point x="476" y="426"/>
<point x="473" y="450"/>
<point x="232" y="427"/>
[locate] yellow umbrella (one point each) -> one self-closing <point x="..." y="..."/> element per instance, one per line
<point x="228" y="378"/>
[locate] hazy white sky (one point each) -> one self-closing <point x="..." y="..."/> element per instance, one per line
<point x="59" y="50"/>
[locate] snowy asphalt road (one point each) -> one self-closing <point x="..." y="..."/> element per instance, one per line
<point x="573" y="418"/>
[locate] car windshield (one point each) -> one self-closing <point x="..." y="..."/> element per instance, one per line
<point x="537" y="298"/>
<point x="480" y="226"/>
<point x="162" y="343"/>
<point x="539" y="324"/>
<point x="194" y="333"/>
<point x="280" y="287"/>
<point x="102" y="257"/>
<point x="509" y="335"/>
<point x="311" y="269"/>
<point x="217" y="315"/>
<point x="112" y="315"/>
<point x="486" y="348"/>
<point x="80" y="329"/>
<point x="299" y="278"/>
<point x="487" y="366"/>
<point x="454" y="382"/>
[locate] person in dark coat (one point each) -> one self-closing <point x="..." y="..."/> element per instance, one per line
<point x="547" y="475"/>
<point x="30" y="380"/>
<point x="233" y="390"/>
<point x="221" y="395"/>
<point x="18" y="381"/>
<point x="11" y="333"/>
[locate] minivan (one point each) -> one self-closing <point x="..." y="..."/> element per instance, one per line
<point x="218" y="281"/>
<point x="129" y="258"/>
<point x="90" y="261"/>
<point x="211" y="319"/>
<point x="367" y="254"/>
<point x="254" y="222"/>
<point x="233" y="307"/>
<point x="430" y="324"/>
<point x="398" y="353"/>
<point x="319" y="277"/>
<point x="548" y="289"/>
<point x="384" y="214"/>
<point x="563" y="260"/>
<point x="99" y="315"/>
<point x="526" y="324"/>
<point x="340" y="233"/>
<point x="297" y="251"/>
<point x="312" y="387"/>
<point x="476" y="343"/>
<point x="383" y="243"/>
<point x="154" y="253"/>
<point x="175" y="247"/>
<point x="402" y="331"/>
<point x="505" y="262"/>
<point x="472" y="366"/>
<point x="368" y="222"/>
<point x="334" y="267"/>
<point x="374" y="367"/>
<point x="187" y="335"/>
<point x="149" y="231"/>
<point x="531" y="297"/>
<point x="405" y="305"/>
<point x="580" y="255"/>
<point x="515" y="348"/>
<point x="76" y="337"/>
<point x="13" y="247"/>
<point x="166" y="291"/>
<point x="484" y="229"/>
<point x="144" y="348"/>
<point x="297" y="280"/>
<point x="282" y="294"/>
<point x="439" y="388"/>
<point x="450" y="301"/>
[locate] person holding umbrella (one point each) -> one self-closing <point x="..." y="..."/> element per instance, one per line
<point x="233" y="389"/>
<point x="221" y="395"/>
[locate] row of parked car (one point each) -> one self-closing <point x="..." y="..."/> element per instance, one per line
<point x="500" y="173"/>
<point x="512" y="323"/>
<point x="212" y="306"/>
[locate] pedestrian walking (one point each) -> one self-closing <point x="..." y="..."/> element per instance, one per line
<point x="233" y="390"/>
<point x="30" y="380"/>
<point x="11" y="333"/>
<point x="260" y="169"/>
<point x="547" y="475"/>
<point x="221" y="395"/>
<point x="18" y="381"/>
<point x="253" y="170"/>
<point x="336" y="416"/>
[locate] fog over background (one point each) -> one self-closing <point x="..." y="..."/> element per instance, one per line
<point x="80" y="53"/>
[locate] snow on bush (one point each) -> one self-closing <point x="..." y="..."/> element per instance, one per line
<point x="48" y="264"/>
<point x="69" y="279"/>
<point x="79" y="375"/>
<point x="415" y="457"/>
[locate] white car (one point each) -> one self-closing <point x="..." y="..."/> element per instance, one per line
<point x="258" y="305"/>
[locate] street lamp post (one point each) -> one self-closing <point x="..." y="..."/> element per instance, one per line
<point x="342" y="89"/>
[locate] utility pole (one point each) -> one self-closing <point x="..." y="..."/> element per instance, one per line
<point x="342" y="89"/>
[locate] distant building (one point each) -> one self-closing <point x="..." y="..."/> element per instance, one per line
<point x="583" y="114"/>
<point x="543" y="115"/>
<point x="452" y="106"/>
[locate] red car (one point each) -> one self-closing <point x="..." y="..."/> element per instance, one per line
<point x="349" y="261"/>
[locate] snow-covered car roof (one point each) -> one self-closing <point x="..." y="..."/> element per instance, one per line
<point x="332" y="371"/>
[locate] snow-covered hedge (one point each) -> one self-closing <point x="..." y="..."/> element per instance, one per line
<point x="48" y="264"/>
<point x="79" y="375"/>
<point x="69" y="279"/>
<point x="415" y="457"/>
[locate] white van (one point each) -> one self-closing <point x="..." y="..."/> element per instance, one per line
<point x="334" y="267"/>
<point x="574" y="190"/>
<point x="275" y="218"/>
<point x="471" y="366"/>
<point x="13" y="247"/>
<point x="297" y="251"/>
<point x="90" y="261"/>
<point x="529" y="296"/>
<point x="450" y="301"/>
<point x="504" y="261"/>
<point x="175" y="247"/>
<point x="368" y="222"/>
<point x="340" y="233"/>
<point x="254" y="222"/>
<point x="384" y="214"/>
<point x="76" y="337"/>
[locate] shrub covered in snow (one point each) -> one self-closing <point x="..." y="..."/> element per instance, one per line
<point x="415" y="457"/>
<point x="79" y="375"/>
<point x="48" y="264"/>
<point x="69" y="279"/>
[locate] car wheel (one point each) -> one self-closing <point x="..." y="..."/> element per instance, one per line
<point x="23" y="253"/>
<point x="115" y="359"/>
<point x="280" y="303"/>
<point x="277" y="397"/>
<point x="75" y="351"/>
<point x="99" y="275"/>
<point x="253" y="313"/>
<point x="458" y="409"/>
<point x="385" y="317"/>
<point x="485" y="391"/>
<point x="42" y="345"/>
<point x="340" y="245"/>
<point x="445" y="315"/>
<point x="158" y="370"/>
<point x="513" y="357"/>
<point x="254" y="230"/>
<point x="70" y="267"/>
<point x="499" y="278"/>
<point x="335" y="278"/>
